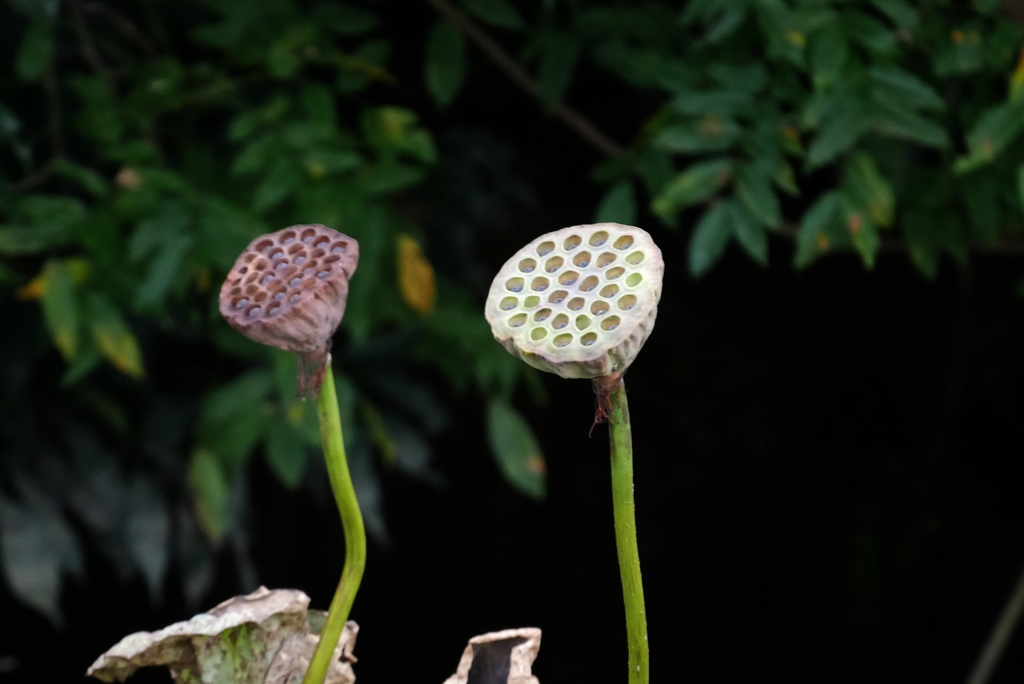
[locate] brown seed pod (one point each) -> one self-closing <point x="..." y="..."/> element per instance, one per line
<point x="288" y="290"/>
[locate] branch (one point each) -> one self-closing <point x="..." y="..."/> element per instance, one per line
<point x="570" y="117"/>
<point x="85" y="42"/>
<point x="125" y="25"/>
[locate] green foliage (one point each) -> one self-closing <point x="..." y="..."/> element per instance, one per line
<point x="136" y="164"/>
<point x="121" y="214"/>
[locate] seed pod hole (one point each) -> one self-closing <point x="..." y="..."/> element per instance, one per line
<point x="558" y="296"/>
<point x="582" y="322"/>
<point x="562" y="340"/>
<point x="253" y="287"/>
<point x="240" y="303"/>
<point x="582" y="259"/>
<point x="321" y="241"/>
<point x="610" y="323"/>
<point x="627" y="302"/>
<point x="272" y="310"/>
<point x="332" y="259"/>
<point x="527" y="265"/>
<point x="294" y="282"/>
<point x="517" y="320"/>
<point x="253" y="312"/>
<point x="294" y="298"/>
<point x="267" y="279"/>
<point x="235" y="291"/>
<point x="276" y="254"/>
<point x="261" y="265"/>
<point x="248" y="259"/>
<point x="264" y="246"/>
<point x="568" y="278"/>
<point x="588" y="339"/>
<point x="509" y="303"/>
<point x="317" y="253"/>
<point x="531" y="301"/>
<point x="514" y="284"/>
<point x="610" y="290"/>
<point x="540" y="284"/>
<point x="296" y="248"/>
<point x="599" y="308"/>
<point x="605" y="259"/>
<point x="560" y="321"/>
<point x="307" y="236"/>
<point x="322" y="275"/>
<point x="538" y="334"/>
<point x="542" y="315"/>
<point x="281" y="265"/>
<point x="572" y="242"/>
<point x="299" y="260"/>
<point x="553" y="264"/>
<point x="633" y="279"/>
<point x="339" y="247"/>
<point x="613" y="273"/>
<point x="278" y="296"/>
<point x="635" y="258"/>
<point x="598" y="238"/>
<point x="624" y="242"/>
<point x="243" y="270"/>
<point x="576" y="303"/>
<point x="287" y="237"/>
<point x="545" y="248"/>
<point x="588" y="284"/>
<point x="260" y="296"/>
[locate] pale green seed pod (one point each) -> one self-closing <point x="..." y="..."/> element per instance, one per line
<point x="579" y="302"/>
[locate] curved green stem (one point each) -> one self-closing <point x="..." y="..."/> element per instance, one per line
<point x="352" y="524"/>
<point x="625" y="533"/>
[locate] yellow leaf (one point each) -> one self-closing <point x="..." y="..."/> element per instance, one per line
<point x="77" y="267"/>
<point x="415" y="276"/>
<point x="113" y="338"/>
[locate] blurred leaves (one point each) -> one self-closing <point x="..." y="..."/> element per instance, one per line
<point x="415" y="276"/>
<point x="516" y="449"/>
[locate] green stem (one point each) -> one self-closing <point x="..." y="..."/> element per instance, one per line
<point x="351" y="523"/>
<point x="625" y="533"/>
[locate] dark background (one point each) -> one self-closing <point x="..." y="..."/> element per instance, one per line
<point x="826" y="480"/>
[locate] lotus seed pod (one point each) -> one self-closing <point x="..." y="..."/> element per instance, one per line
<point x="288" y="290"/>
<point x="580" y="301"/>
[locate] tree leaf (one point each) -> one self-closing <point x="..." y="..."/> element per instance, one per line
<point x="893" y="118"/>
<point x="36" y="547"/>
<point x="516" y="449"/>
<point x="345" y="20"/>
<point x="863" y="231"/>
<point x="148" y="533"/>
<point x="838" y="134"/>
<point x="286" y="454"/>
<point x="210" y="488"/>
<point x="710" y="133"/>
<point x="997" y="127"/>
<point x="60" y="307"/>
<point x="446" y="62"/>
<point x="1020" y="185"/>
<point x="754" y="190"/>
<point x="562" y="51"/>
<point x="710" y="238"/>
<point x="415" y="276"/>
<point x="113" y="337"/>
<point x="870" y="189"/>
<point x="36" y="50"/>
<point x="500" y="13"/>
<point x="618" y="204"/>
<point x="748" y="232"/>
<point x="696" y="184"/>
<point x="894" y="83"/>
<point x="813" y="237"/>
